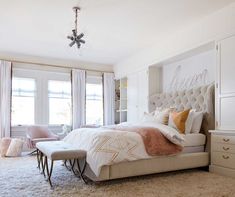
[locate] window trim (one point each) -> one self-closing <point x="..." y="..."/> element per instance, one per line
<point x="41" y="114"/>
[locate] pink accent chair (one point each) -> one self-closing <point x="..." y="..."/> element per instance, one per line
<point x="35" y="134"/>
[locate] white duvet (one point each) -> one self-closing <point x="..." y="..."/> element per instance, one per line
<point x="106" y="146"/>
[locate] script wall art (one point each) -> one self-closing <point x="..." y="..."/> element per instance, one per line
<point x="188" y="73"/>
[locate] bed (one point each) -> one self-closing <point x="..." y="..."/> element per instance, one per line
<point x="196" y="147"/>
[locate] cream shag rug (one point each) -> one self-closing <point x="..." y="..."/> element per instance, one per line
<point x="20" y="177"/>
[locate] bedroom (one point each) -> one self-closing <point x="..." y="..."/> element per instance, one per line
<point x="130" y="96"/>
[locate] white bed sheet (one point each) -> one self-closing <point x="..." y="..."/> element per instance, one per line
<point x="194" y="139"/>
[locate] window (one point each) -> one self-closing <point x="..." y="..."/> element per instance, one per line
<point x="59" y="94"/>
<point x="41" y="97"/>
<point x="23" y="101"/>
<point x="94" y="100"/>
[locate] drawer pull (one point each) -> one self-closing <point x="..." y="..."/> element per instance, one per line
<point x="225" y="157"/>
<point x="225" y="148"/>
<point x="226" y="140"/>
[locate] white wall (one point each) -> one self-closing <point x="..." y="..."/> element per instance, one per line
<point x="190" y="67"/>
<point x="216" y="26"/>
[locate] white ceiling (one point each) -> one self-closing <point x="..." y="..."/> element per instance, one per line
<point x="114" y="29"/>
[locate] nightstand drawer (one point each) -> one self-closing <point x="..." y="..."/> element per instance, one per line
<point x="223" y="159"/>
<point x="223" y="139"/>
<point x="222" y="147"/>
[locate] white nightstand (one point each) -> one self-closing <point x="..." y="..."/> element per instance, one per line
<point x="223" y="152"/>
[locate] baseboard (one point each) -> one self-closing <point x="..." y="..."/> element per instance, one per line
<point x="223" y="171"/>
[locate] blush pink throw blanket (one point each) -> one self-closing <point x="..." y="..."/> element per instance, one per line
<point x="156" y="144"/>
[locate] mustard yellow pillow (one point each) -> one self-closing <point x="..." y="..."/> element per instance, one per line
<point x="177" y="120"/>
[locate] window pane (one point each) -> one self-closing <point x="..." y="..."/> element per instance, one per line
<point x="94" y="104"/>
<point x="23" y="101"/>
<point x="59" y="94"/>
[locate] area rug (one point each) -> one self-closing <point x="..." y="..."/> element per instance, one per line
<point x="20" y="177"/>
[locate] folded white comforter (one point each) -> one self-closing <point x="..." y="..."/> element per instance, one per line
<point x="106" y="146"/>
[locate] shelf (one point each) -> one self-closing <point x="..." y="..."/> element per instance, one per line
<point x="122" y="110"/>
<point x="123" y="99"/>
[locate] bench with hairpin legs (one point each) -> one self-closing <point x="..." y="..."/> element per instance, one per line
<point x="59" y="150"/>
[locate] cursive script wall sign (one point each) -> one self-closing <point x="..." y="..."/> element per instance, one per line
<point x="179" y="83"/>
<point x="194" y="71"/>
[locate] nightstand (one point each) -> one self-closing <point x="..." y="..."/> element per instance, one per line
<point x="223" y="152"/>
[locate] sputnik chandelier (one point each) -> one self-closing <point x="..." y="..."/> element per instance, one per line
<point x="75" y="37"/>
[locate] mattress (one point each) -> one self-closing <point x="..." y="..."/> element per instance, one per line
<point x="193" y="149"/>
<point x="194" y="139"/>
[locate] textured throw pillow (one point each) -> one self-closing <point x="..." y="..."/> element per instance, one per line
<point x="197" y="122"/>
<point x="15" y="148"/>
<point x="4" y="145"/>
<point x="177" y="120"/>
<point x="162" y="115"/>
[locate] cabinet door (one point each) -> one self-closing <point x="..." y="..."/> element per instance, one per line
<point x="227" y="66"/>
<point x="132" y="98"/>
<point x="226" y="80"/>
<point x="143" y="93"/>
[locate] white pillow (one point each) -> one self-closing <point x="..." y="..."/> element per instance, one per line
<point x="193" y="122"/>
<point x="148" y="117"/>
<point x="197" y="122"/>
<point x="189" y="121"/>
<point x="15" y="148"/>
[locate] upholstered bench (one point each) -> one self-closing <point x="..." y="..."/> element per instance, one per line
<point x="60" y="150"/>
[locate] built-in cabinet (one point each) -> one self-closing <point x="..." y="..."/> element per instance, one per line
<point x="225" y="91"/>
<point x="223" y="138"/>
<point x="141" y="85"/>
<point x="121" y="100"/>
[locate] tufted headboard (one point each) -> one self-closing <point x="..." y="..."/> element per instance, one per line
<point x="200" y="98"/>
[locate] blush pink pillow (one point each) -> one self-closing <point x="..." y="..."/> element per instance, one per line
<point x="4" y="145"/>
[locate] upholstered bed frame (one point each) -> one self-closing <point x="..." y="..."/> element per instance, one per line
<point x="201" y="99"/>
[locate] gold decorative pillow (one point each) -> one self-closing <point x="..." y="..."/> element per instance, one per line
<point x="177" y="120"/>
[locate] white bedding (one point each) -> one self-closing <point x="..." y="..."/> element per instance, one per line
<point x="194" y="139"/>
<point x="105" y="146"/>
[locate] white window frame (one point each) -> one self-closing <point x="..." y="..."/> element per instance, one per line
<point x="41" y="77"/>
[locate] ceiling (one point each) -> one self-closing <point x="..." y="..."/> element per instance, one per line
<point x="114" y="29"/>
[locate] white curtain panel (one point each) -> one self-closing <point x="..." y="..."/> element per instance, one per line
<point x="5" y="98"/>
<point x="109" y="98"/>
<point x="79" y="97"/>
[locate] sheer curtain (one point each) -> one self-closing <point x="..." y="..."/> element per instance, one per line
<point x="79" y="97"/>
<point x="5" y="98"/>
<point x="109" y="98"/>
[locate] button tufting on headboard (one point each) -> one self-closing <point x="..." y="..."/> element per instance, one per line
<point x="196" y="98"/>
<point x="200" y="98"/>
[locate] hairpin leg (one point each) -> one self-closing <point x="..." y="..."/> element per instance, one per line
<point x="44" y="165"/>
<point x="81" y="171"/>
<point x="50" y="173"/>
<point x="38" y="159"/>
<point x="72" y="166"/>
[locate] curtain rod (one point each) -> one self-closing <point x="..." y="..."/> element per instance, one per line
<point x="53" y="65"/>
